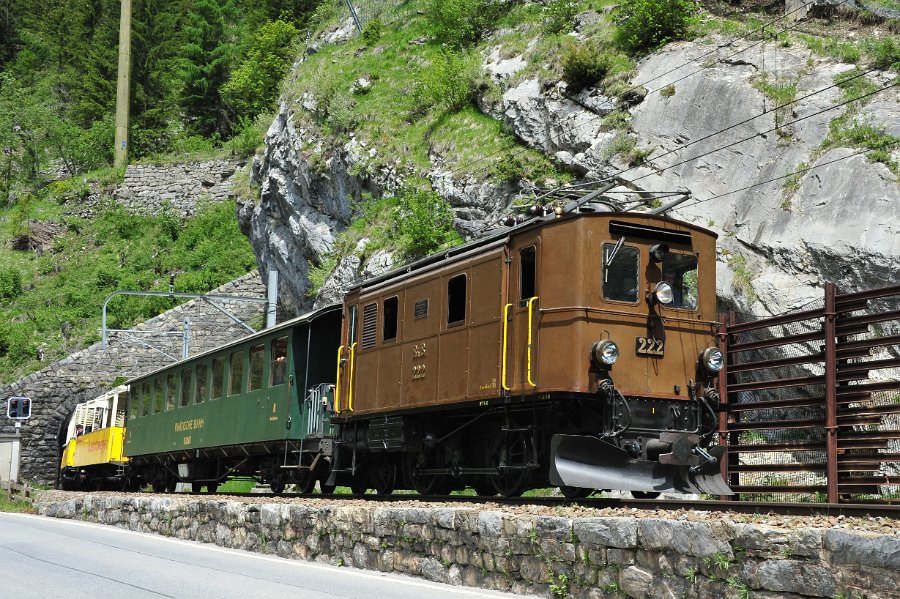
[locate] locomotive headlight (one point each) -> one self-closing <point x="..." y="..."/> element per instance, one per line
<point x="711" y="359"/>
<point x="663" y="293"/>
<point x="605" y="352"/>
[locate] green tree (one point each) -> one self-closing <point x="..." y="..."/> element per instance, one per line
<point x="253" y="86"/>
<point x="648" y="24"/>
<point x="206" y="54"/>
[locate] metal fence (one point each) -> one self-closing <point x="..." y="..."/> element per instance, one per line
<point x="812" y="401"/>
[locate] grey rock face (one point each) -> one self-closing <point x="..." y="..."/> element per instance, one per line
<point x="693" y="104"/>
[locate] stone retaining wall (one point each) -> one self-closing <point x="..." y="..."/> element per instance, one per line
<point x="150" y="188"/>
<point x="545" y="555"/>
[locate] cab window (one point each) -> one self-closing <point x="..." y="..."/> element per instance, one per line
<point x="620" y="272"/>
<point x="680" y="272"/>
<point x="527" y="270"/>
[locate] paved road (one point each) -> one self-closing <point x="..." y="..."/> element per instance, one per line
<point x="46" y="558"/>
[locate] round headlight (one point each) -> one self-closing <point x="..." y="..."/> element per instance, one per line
<point x="605" y="352"/>
<point x="712" y="360"/>
<point x="663" y="293"/>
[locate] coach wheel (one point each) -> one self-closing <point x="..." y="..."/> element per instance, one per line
<point x="196" y="487"/>
<point x="644" y="494"/>
<point x="512" y="449"/>
<point x="307" y="484"/>
<point x="575" y="492"/>
<point x="212" y="487"/>
<point x="171" y="484"/>
<point x="326" y="489"/>
<point x="384" y="477"/>
<point x="277" y="486"/>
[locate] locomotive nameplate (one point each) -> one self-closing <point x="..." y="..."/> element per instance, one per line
<point x="648" y="346"/>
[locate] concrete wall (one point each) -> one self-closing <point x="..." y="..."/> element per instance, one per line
<point x="84" y="375"/>
<point x="547" y="555"/>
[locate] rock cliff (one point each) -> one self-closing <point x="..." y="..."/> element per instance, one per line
<point x="781" y="236"/>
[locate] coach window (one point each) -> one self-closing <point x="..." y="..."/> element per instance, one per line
<point x="218" y="377"/>
<point x="456" y="301"/>
<point x="201" y="382"/>
<point x="369" y="325"/>
<point x="158" y="396"/>
<point x="134" y="405"/>
<point x="187" y="387"/>
<point x="171" y="390"/>
<point x="120" y="409"/>
<point x="145" y="399"/>
<point x="389" y="331"/>
<point x="279" y="361"/>
<point x="620" y="272"/>
<point x="527" y="272"/>
<point x="236" y="372"/>
<point x="257" y="357"/>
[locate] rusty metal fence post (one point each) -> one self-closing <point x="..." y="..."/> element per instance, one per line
<point x="831" y="453"/>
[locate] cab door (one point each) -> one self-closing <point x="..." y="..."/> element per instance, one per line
<point x="522" y="308"/>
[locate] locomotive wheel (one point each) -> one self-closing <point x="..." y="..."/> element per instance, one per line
<point x="212" y="487"/>
<point x="484" y="488"/>
<point x="575" y="492"/>
<point x="511" y="449"/>
<point x="277" y="486"/>
<point x="426" y="484"/>
<point x="384" y="477"/>
<point x="326" y="489"/>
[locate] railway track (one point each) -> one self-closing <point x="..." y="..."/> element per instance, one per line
<point x="855" y="510"/>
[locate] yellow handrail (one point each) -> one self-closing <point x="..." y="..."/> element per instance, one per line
<point x="530" y="313"/>
<point x="505" y="336"/>
<point x="350" y="384"/>
<point x="337" y="382"/>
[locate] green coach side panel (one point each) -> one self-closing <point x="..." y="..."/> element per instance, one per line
<point x="248" y="392"/>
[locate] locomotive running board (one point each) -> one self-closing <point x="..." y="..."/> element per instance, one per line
<point x="589" y="463"/>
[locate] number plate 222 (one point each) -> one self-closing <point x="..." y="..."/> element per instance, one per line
<point x="648" y="346"/>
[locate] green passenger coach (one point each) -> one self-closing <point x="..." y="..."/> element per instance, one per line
<point x="258" y="407"/>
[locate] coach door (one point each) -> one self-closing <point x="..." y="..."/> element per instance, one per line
<point x="522" y="317"/>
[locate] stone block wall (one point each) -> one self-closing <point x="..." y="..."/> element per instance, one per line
<point x="56" y="389"/>
<point x="149" y="188"/>
<point x="586" y="558"/>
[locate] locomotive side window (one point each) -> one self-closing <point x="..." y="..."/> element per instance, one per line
<point x="370" y="323"/>
<point x="456" y="301"/>
<point x="257" y="356"/>
<point x="620" y="272"/>
<point x="201" y="382"/>
<point x="680" y="272"/>
<point x="527" y="271"/>
<point x="187" y="387"/>
<point x="279" y="360"/>
<point x="236" y="372"/>
<point x="145" y="399"/>
<point x="158" y="396"/>
<point x="171" y="390"/>
<point x="218" y="377"/>
<point x="389" y="330"/>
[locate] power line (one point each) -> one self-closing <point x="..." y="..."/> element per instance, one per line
<point x="636" y="86"/>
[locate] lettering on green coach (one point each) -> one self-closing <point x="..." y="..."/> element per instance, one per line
<point x="191" y="424"/>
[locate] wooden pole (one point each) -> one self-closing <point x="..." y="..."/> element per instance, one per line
<point x="123" y="87"/>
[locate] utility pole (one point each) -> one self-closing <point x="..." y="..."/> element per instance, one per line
<point x="123" y="87"/>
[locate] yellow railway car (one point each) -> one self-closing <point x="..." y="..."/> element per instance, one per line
<point x="92" y="446"/>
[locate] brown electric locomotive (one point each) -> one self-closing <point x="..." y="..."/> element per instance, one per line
<point x="577" y="351"/>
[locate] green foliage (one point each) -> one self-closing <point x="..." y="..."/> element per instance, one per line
<point x="648" y="24"/>
<point x="424" y="223"/>
<point x="250" y="136"/>
<point x="852" y="131"/>
<point x="559" y="15"/>
<point x="584" y="64"/>
<point x="447" y="82"/>
<point x="10" y="283"/>
<point x="883" y="52"/>
<point x="253" y="86"/>
<point x="854" y="84"/>
<point x="461" y="23"/>
<point x="372" y="31"/>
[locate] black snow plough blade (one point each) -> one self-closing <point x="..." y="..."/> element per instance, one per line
<point x="589" y="463"/>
